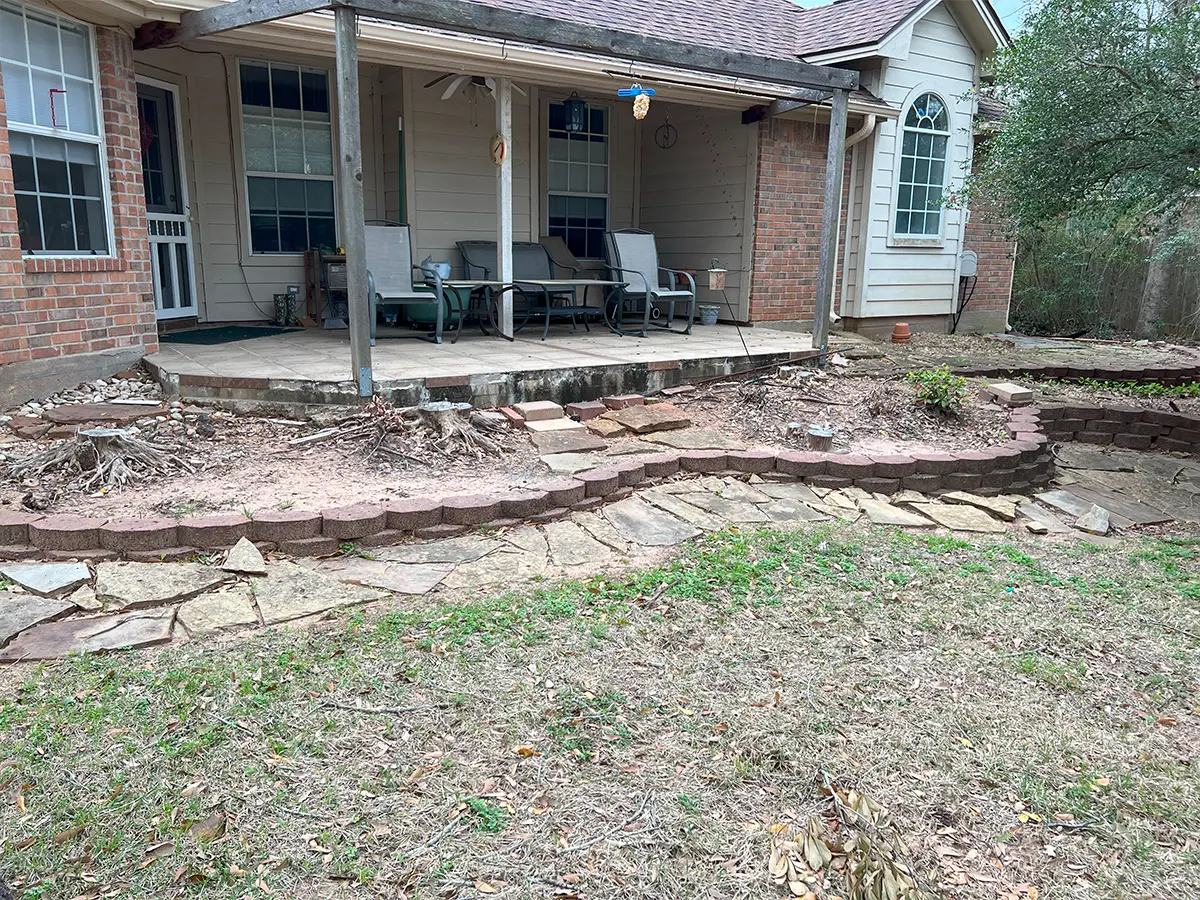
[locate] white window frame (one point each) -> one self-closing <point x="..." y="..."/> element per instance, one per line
<point x="589" y="195"/>
<point x="246" y="173"/>
<point x="98" y="140"/>
<point x="898" y="239"/>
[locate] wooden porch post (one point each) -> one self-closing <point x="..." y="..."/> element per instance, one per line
<point x="504" y="204"/>
<point x="835" y="167"/>
<point x="350" y="200"/>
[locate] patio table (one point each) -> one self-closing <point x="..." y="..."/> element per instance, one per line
<point x="552" y="286"/>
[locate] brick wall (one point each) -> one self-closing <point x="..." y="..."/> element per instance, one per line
<point x="54" y="310"/>
<point x="993" y="238"/>
<point x="789" y="198"/>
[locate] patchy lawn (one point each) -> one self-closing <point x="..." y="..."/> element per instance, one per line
<point x="1026" y="711"/>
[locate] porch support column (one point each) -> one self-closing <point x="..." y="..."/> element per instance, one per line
<point x="835" y="167"/>
<point x="504" y="204"/>
<point x="352" y="224"/>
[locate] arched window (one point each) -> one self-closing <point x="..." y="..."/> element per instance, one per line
<point x="926" y="142"/>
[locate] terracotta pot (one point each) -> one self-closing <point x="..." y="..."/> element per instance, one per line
<point x="901" y="333"/>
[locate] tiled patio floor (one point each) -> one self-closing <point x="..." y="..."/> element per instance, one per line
<point x="313" y="355"/>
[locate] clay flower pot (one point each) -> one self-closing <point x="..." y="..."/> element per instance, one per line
<point x="901" y="333"/>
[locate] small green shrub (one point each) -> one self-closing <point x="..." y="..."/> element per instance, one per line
<point x="940" y="390"/>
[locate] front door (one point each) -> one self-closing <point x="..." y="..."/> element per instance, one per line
<point x="163" y="181"/>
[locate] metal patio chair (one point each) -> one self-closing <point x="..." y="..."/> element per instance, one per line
<point x="390" y="275"/>
<point x="632" y="257"/>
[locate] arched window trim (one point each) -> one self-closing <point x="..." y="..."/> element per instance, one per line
<point x="924" y="127"/>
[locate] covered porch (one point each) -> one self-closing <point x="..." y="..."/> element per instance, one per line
<point x="309" y="366"/>
<point x="410" y="143"/>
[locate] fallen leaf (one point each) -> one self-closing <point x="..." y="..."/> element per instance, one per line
<point x="484" y="888"/>
<point x="208" y="829"/>
<point x="63" y="836"/>
<point x="21" y="802"/>
<point x="525" y="750"/>
<point x="236" y="871"/>
<point x="571" y="878"/>
<point x="1168" y="721"/>
<point x="156" y="851"/>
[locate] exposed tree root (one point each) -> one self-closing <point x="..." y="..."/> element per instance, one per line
<point x="102" y="458"/>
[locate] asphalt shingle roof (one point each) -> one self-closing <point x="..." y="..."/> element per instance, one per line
<point x="848" y="23"/>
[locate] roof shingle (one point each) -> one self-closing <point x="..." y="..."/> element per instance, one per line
<point x="848" y="23"/>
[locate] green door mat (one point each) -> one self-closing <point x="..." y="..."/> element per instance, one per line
<point x="222" y="334"/>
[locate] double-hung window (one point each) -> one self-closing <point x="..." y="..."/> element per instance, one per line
<point x="288" y="140"/>
<point x="54" y="132"/>
<point x="577" y="169"/>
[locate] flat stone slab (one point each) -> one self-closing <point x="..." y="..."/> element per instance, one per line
<point x="885" y="514"/>
<point x="85" y="598"/>
<point x="959" y="518"/>
<point x="219" y="611"/>
<point x="571" y="463"/>
<point x="646" y="525"/>
<point x="695" y="439"/>
<point x="606" y="428"/>
<point x="601" y="529"/>
<point x="1043" y="517"/>
<point x="399" y="578"/>
<point x="529" y="538"/>
<point x="1095" y="521"/>
<point x="1081" y="456"/>
<point x="292" y="592"/>
<point x="244" y="559"/>
<point x="739" y="490"/>
<point x="538" y="410"/>
<point x="133" y="585"/>
<point x="647" y="419"/>
<point x="451" y="550"/>
<point x="576" y="440"/>
<point x="740" y="512"/>
<point x="1001" y="509"/>
<point x="105" y="413"/>
<point x="839" y="512"/>
<point x="678" y="506"/>
<point x="789" y="491"/>
<point x="54" y="640"/>
<point x="504" y="567"/>
<point x="542" y="426"/>
<point x="47" y="579"/>
<point x="791" y="512"/>
<point x="571" y="545"/>
<point x="19" y="612"/>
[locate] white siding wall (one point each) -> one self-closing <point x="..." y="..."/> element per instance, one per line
<point x="693" y="195"/>
<point x="909" y="281"/>
<point x="232" y="285"/>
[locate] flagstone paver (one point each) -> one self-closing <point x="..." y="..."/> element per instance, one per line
<point x="733" y="489"/>
<point x="886" y="514"/>
<point x="602" y="530"/>
<point x="792" y="512"/>
<point x="467" y="548"/>
<point x="133" y="585"/>
<point x="959" y="518"/>
<point x="695" y="439"/>
<point x="47" y="579"/>
<point x="245" y="559"/>
<point x="1002" y="509"/>
<point x="571" y="545"/>
<point x="506" y="566"/>
<point x="219" y="611"/>
<point x="21" y="611"/>
<point x="399" y="578"/>
<point x="678" y="507"/>
<point x="53" y="640"/>
<point x="737" y="511"/>
<point x="527" y="537"/>
<point x="644" y="524"/>
<point x="292" y="592"/>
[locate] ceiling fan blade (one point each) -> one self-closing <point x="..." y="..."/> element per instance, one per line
<point x="437" y="80"/>
<point x="520" y="90"/>
<point x="454" y="86"/>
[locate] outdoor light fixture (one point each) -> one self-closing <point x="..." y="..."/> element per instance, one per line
<point x="576" y="113"/>
<point x="641" y="99"/>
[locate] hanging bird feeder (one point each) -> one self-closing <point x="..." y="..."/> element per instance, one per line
<point x="641" y="99"/>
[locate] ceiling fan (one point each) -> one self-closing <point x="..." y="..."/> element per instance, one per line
<point x="478" y="85"/>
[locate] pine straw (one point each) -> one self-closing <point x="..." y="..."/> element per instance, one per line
<point x="626" y="739"/>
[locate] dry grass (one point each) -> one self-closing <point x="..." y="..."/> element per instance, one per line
<point x="637" y="736"/>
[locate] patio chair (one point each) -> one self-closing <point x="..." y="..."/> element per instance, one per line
<point x="531" y="262"/>
<point x="390" y="275"/>
<point x="632" y="257"/>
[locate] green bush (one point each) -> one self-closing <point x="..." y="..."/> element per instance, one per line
<point x="940" y="390"/>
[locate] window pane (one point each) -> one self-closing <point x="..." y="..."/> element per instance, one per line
<point x="598" y="180"/>
<point x="320" y="196"/>
<point x="906" y="169"/>
<point x="256" y="86"/>
<point x="598" y="151"/>
<point x="285" y="91"/>
<point x="315" y="90"/>
<point x="264" y="234"/>
<point x="289" y="148"/>
<point x="291" y="195"/>
<point x="578" y="180"/>
<point x="51" y="156"/>
<point x="940" y="144"/>
<point x="90" y="226"/>
<point x="51" y="115"/>
<point x="81" y="106"/>
<point x="77" y="54"/>
<point x="933" y="222"/>
<point x="166" y="283"/>
<point x="262" y="195"/>
<point x="595" y="244"/>
<point x="599" y="119"/>
<point x="556" y="148"/>
<point x="910" y="143"/>
<point x="924" y="145"/>
<point x="577" y="148"/>
<point x="922" y="172"/>
<point x="84" y="165"/>
<point x="318" y="149"/>
<point x="293" y="234"/>
<point x="558" y="176"/>
<point x="937" y="173"/>
<point x="183" y="263"/>
<point x="43" y="43"/>
<point x="918" y="199"/>
<point x="322" y="232"/>
<point x="17" y="94"/>
<point x="557" y="117"/>
<point x="597" y="209"/>
<point x="260" y="145"/>
<point x="902" y="222"/>
<point x="29" y="223"/>
<point x="12" y="36"/>
<point x="57" y="224"/>
<point x="21" y="148"/>
<point x="904" y="198"/>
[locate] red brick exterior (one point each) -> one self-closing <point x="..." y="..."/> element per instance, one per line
<point x="788" y="203"/>
<point x="53" y="308"/>
<point x="993" y="238"/>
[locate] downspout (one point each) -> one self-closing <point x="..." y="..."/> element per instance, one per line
<point x="864" y="132"/>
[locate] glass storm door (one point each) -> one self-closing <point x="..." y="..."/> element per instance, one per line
<point x="166" y="202"/>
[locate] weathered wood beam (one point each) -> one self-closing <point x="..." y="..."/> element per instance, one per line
<point x="779" y="107"/>
<point x="240" y="13"/>
<point x="504" y="204"/>
<point x="835" y="168"/>
<point x="492" y="21"/>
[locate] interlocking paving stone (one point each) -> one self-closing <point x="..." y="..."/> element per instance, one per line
<point x="54" y="640"/>
<point x="19" y="612"/>
<point x="291" y="592"/>
<point x="47" y="579"/>
<point x="132" y="585"/>
<point x="219" y="611"/>
<point x="643" y="524"/>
